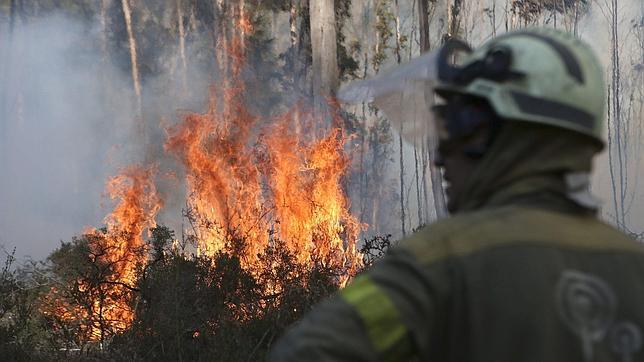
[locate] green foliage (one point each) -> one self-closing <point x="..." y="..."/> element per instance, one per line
<point x="384" y="18"/>
<point x="530" y="10"/>
<point x="347" y="64"/>
<point x="23" y="331"/>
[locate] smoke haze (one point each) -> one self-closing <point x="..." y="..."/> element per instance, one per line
<point x="56" y="136"/>
<point x="67" y="123"/>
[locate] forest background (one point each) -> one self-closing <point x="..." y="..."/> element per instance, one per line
<point x="134" y="92"/>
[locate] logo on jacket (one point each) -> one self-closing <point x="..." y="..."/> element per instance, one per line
<point x="587" y="305"/>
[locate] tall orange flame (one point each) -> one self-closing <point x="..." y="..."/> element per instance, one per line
<point x="135" y="212"/>
<point x="311" y="209"/>
<point x="115" y="254"/>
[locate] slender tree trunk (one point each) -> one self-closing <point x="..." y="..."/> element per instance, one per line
<point x="324" y="48"/>
<point x="182" y="48"/>
<point x="192" y="21"/>
<point x="12" y="15"/>
<point x="492" y="17"/>
<point x="294" y="55"/>
<point x="412" y="38"/>
<point x="5" y="85"/>
<point x="434" y="172"/>
<point x="12" y="99"/>
<point x="454" y="19"/>
<point x="364" y="131"/>
<point x="243" y="23"/>
<point x="417" y="177"/>
<point x="133" y="59"/>
<point x="364" y="177"/>
<point x="294" y="44"/>
<point x="423" y="25"/>
<point x="105" y="4"/>
<point x="617" y="153"/>
<point x="292" y="24"/>
<point x="400" y="140"/>
<point x="221" y="39"/>
<point x="402" y="183"/>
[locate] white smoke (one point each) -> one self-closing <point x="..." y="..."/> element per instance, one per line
<point x="68" y="122"/>
<point x="57" y="129"/>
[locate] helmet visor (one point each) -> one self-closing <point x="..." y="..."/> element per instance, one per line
<point x="406" y="94"/>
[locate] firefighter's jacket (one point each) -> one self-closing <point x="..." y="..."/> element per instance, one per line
<point x="521" y="273"/>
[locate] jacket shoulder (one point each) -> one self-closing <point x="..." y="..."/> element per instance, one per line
<point x="468" y="233"/>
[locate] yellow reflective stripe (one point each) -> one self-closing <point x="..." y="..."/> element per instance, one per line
<point x="378" y="312"/>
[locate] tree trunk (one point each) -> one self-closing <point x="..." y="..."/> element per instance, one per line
<point x="400" y="140"/>
<point x="617" y="143"/>
<point x="423" y="25"/>
<point x="434" y="172"/>
<point x="105" y="56"/>
<point x="243" y="23"/>
<point x="12" y="15"/>
<point x="5" y="81"/>
<point x="454" y="20"/>
<point x="133" y="59"/>
<point x="105" y="4"/>
<point x="292" y="24"/>
<point x="412" y="38"/>
<point x="182" y="48"/>
<point x="220" y="35"/>
<point x="417" y="177"/>
<point x="324" y="48"/>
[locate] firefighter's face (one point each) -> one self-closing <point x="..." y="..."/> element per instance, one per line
<point x="457" y="164"/>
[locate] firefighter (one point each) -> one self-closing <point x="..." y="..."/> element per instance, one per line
<point x="523" y="269"/>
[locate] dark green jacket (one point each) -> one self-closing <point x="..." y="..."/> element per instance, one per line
<point x="523" y="274"/>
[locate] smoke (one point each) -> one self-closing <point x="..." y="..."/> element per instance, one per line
<point x="67" y="122"/>
<point x="595" y="29"/>
<point x="55" y="138"/>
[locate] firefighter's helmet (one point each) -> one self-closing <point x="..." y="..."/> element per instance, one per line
<point x="539" y="75"/>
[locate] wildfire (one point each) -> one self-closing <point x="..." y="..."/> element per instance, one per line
<point x="310" y="207"/>
<point x="136" y="211"/>
<point x="244" y="182"/>
<point x="248" y="178"/>
<point x="255" y="179"/>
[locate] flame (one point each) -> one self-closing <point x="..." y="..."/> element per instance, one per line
<point x="222" y="179"/>
<point x="246" y="176"/>
<point x="311" y="209"/>
<point x="118" y="252"/>
<point x="135" y="212"/>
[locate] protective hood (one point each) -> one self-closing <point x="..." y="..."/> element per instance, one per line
<point x="529" y="163"/>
